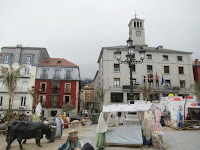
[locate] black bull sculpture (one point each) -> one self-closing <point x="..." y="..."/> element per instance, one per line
<point x="27" y="130"/>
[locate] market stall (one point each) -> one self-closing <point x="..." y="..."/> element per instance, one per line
<point x="130" y="133"/>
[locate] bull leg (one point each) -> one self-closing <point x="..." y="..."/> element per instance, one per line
<point x="20" y="144"/>
<point x="8" y="145"/>
<point x="24" y="141"/>
<point x="38" y="142"/>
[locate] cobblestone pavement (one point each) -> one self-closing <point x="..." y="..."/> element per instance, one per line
<point x="175" y="140"/>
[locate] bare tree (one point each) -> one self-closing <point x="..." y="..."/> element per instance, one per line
<point x="197" y="89"/>
<point x="68" y="107"/>
<point x="100" y="94"/>
<point x="146" y="90"/>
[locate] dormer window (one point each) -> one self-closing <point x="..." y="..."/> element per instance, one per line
<point x="59" y="61"/>
<point x="47" y="61"/>
<point x="28" y="59"/>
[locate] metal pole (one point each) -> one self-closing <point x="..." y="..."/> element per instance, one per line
<point x="131" y="82"/>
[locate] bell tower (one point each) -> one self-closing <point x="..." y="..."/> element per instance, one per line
<point x="136" y="31"/>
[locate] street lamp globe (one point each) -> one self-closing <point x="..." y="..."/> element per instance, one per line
<point x="131" y="50"/>
<point x="129" y="42"/>
<point x="118" y="54"/>
<point x="142" y="54"/>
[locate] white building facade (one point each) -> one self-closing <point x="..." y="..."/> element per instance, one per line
<point x="172" y="66"/>
<point x="29" y="58"/>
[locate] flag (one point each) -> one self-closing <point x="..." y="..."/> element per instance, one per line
<point x="162" y="81"/>
<point x="156" y="77"/>
<point x="1" y="56"/>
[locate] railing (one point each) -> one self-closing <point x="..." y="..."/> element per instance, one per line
<point x="25" y="75"/>
<point x="44" y="76"/>
<point x="23" y="107"/>
<point x="55" y="90"/>
<point x="42" y="90"/>
<point x="56" y="76"/>
<point x="67" y="90"/>
<point x="54" y="103"/>
<point x="67" y="76"/>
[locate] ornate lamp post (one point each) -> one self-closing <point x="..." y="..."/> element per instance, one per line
<point x="131" y="61"/>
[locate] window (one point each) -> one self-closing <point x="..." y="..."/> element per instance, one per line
<point x="28" y="59"/>
<point x="180" y="69"/>
<point x="134" y="81"/>
<point x="135" y="24"/>
<point x="182" y="83"/>
<point x="24" y="85"/>
<point x="167" y="83"/>
<point x="116" y="81"/>
<point x="88" y="97"/>
<point x="42" y="87"/>
<point x="149" y="56"/>
<point x="1" y="100"/>
<point x="117" y="97"/>
<point x="66" y="99"/>
<point x="56" y="74"/>
<point x="68" y="74"/>
<point x="116" y="67"/>
<point x="26" y="71"/>
<point x="43" y="100"/>
<point x="88" y="91"/>
<point x="23" y="101"/>
<point x="133" y="68"/>
<point x="6" y="59"/>
<point x="166" y="69"/>
<point x="165" y="57"/>
<point x="44" y="74"/>
<point x="67" y="88"/>
<point x="149" y="69"/>
<point x="179" y="58"/>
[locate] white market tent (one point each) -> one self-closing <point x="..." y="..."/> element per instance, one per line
<point x="129" y="107"/>
<point x="146" y="107"/>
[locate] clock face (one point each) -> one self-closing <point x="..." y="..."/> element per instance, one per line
<point x="138" y="33"/>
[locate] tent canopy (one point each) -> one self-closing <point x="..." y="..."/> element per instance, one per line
<point x="147" y="107"/>
<point x="129" y="108"/>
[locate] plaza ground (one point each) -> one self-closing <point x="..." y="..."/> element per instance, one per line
<point x="175" y="140"/>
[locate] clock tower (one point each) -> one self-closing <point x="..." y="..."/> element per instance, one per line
<point x="136" y="31"/>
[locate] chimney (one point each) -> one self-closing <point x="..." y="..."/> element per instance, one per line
<point x="160" y="47"/>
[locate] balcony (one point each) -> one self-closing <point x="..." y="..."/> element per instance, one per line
<point x="67" y="76"/>
<point x="135" y="87"/>
<point x="67" y="90"/>
<point x="25" y="75"/>
<point x="55" y="90"/>
<point x="23" y="107"/>
<point x="41" y="90"/>
<point x="54" y="103"/>
<point x="43" y="76"/>
<point x="56" y="76"/>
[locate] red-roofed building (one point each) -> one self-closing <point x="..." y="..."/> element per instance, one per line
<point x="57" y="82"/>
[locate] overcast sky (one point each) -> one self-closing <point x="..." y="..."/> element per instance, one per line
<point x="77" y="29"/>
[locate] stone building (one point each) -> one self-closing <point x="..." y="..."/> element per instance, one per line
<point x="29" y="58"/>
<point x="173" y="68"/>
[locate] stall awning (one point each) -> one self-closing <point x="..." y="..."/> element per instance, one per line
<point x="120" y="108"/>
